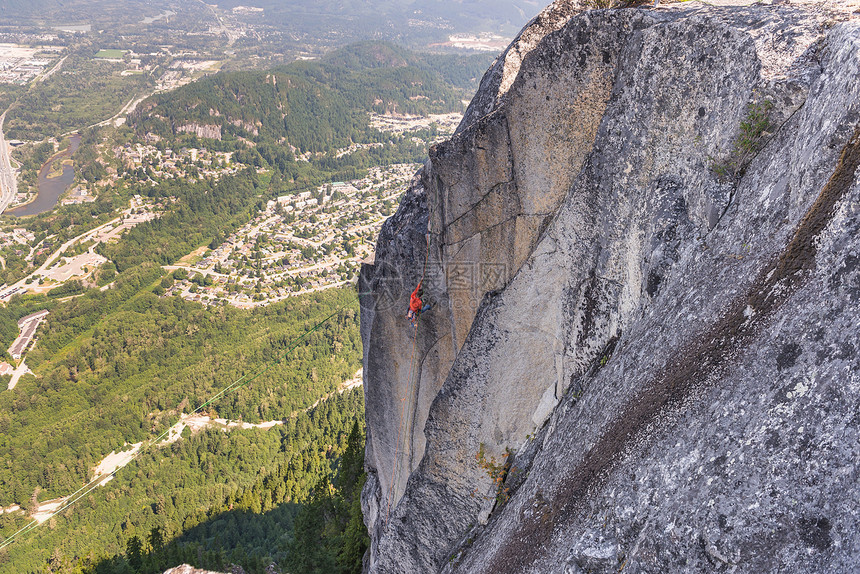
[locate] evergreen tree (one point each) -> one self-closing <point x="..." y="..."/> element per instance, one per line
<point x="134" y="553"/>
<point x="352" y="462"/>
<point x="309" y="552"/>
<point x="355" y="540"/>
<point x="156" y="539"/>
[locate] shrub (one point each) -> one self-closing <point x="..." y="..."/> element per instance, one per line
<point x="497" y="471"/>
<point x="751" y="138"/>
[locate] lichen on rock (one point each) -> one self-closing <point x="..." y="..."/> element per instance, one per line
<point x="669" y="353"/>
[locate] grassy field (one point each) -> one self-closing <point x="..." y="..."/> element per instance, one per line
<point x="111" y="54"/>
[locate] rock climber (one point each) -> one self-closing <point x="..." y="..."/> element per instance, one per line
<point x="416" y="306"/>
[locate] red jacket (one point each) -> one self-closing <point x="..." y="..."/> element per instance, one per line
<point x="415" y="301"/>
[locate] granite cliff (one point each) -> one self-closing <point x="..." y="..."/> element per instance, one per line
<point x="642" y="247"/>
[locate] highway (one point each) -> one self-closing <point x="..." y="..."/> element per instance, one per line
<point x="8" y="179"/>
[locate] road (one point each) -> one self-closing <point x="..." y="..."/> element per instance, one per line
<point x="126" y="109"/>
<point x="124" y="218"/>
<point x="270" y="300"/>
<point x="8" y="177"/>
<point x="52" y="71"/>
<point x="231" y="35"/>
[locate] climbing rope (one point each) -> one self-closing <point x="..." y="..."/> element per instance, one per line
<point x="402" y="435"/>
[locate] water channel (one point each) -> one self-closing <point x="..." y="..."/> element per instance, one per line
<point x="51" y="188"/>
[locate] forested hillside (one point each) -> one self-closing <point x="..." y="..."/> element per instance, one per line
<point x="218" y="499"/>
<point x="144" y="362"/>
<point x="314" y="105"/>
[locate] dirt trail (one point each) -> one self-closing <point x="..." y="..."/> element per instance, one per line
<point x="105" y="470"/>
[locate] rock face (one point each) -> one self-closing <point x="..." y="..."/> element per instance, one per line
<point x="642" y="249"/>
<point x="201" y="130"/>
<point x="186" y="569"/>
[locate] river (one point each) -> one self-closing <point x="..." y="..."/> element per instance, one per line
<point x="51" y="188"/>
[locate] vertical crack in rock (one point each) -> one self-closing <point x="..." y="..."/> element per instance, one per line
<point x="587" y="183"/>
<point x="695" y="366"/>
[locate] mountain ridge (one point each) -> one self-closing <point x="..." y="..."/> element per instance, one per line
<point x="313" y="105"/>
